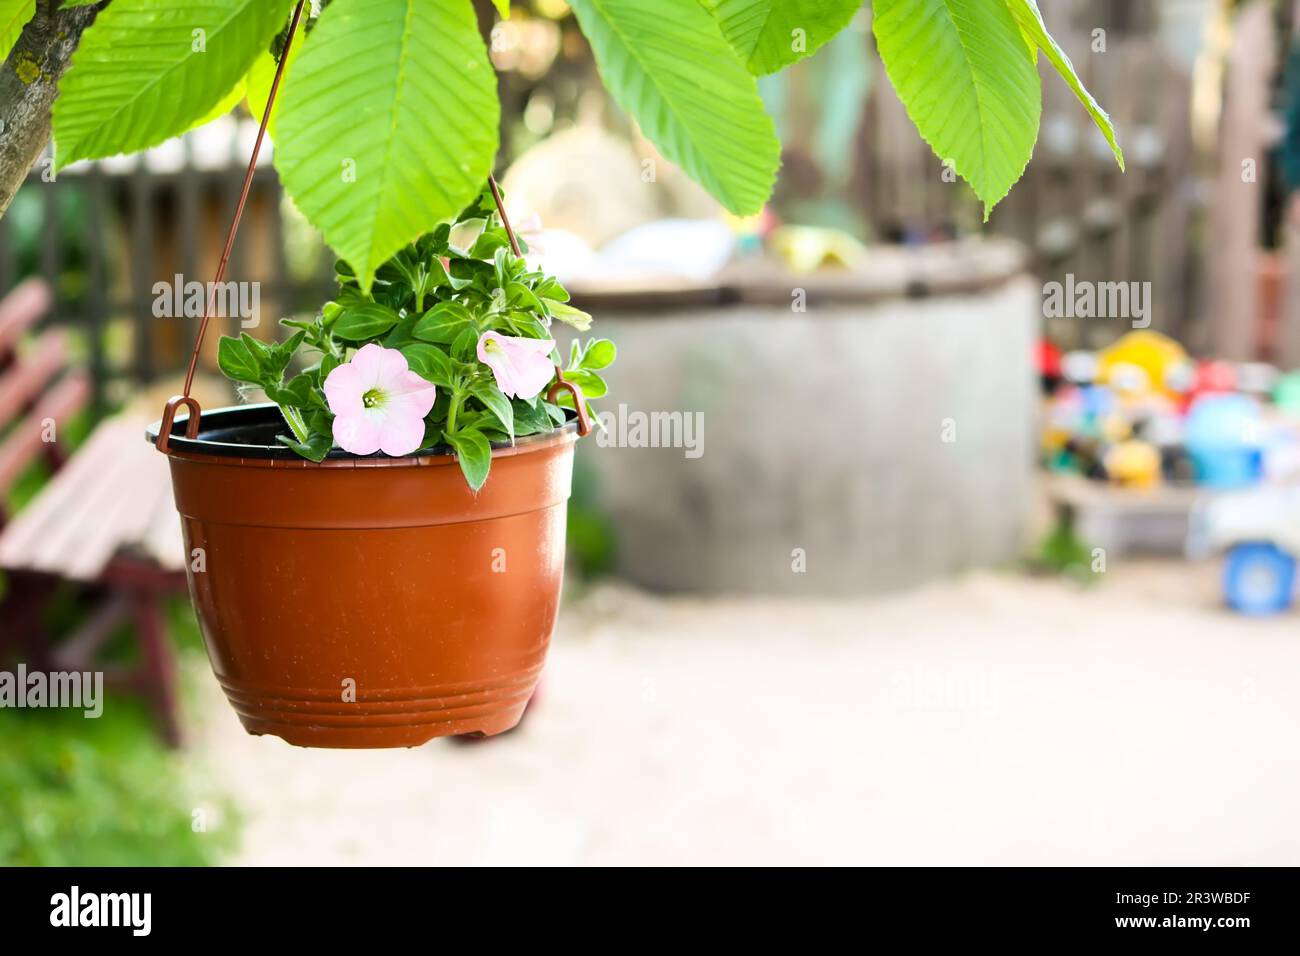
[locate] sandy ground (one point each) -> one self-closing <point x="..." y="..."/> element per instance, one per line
<point x="994" y="719"/>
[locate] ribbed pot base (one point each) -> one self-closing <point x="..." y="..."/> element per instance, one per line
<point x="369" y="735"/>
<point x="398" y="718"/>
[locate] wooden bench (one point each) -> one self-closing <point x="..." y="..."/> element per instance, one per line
<point x="104" y="527"/>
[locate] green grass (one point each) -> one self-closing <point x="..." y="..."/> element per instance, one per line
<point x="106" y="791"/>
<point x="102" y="792"/>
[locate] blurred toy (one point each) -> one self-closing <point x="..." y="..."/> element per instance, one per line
<point x="1048" y="359"/>
<point x="1114" y="428"/>
<point x="1214" y="378"/>
<point x="1157" y="355"/>
<point x="1256" y="378"/>
<point x="1079" y="367"/>
<point x="1180" y="379"/>
<point x="809" y="248"/>
<point x="1141" y="413"/>
<point x="1135" y="464"/>
<point x="1062" y="418"/>
<point x="752" y="231"/>
<point x="1077" y="423"/>
<point x="1286" y="394"/>
<point x="1261" y="531"/>
<point x="1258" y="578"/>
<point x="1166" y="431"/>
<point x="1098" y="402"/>
<point x="1224" y="433"/>
<point x="1281" y="453"/>
<point x="1127" y="380"/>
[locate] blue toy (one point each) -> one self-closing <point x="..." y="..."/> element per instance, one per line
<point x="1259" y="531"/>
<point x="1259" y="578"/>
<point x="1224" y="433"/>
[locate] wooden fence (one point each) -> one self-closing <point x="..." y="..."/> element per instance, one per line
<point x="104" y="234"/>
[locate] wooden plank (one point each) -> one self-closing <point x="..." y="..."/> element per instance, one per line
<point x="120" y="520"/>
<point x="23" y="446"/>
<point x="27" y="378"/>
<point x="74" y="512"/>
<point x="112" y="497"/>
<point x="41" y="519"/>
<point x="19" y="311"/>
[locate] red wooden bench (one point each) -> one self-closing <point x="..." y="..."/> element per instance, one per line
<point x="104" y="524"/>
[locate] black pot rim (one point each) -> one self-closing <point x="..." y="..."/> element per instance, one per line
<point x="237" y="416"/>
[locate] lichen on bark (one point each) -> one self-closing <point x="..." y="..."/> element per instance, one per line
<point x="28" y="70"/>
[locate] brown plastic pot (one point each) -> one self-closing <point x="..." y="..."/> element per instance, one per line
<point x="369" y="602"/>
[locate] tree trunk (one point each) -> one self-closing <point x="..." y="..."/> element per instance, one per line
<point x="29" y="81"/>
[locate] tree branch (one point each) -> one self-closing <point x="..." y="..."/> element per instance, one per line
<point x="29" y="82"/>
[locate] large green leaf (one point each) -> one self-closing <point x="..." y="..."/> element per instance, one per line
<point x="668" y="65"/>
<point x="227" y="103"/>
<point x="1030" y="19"/>
<point x="968" y="80"/>
<point x="389" y="123"/>
<point x="143" y="73"/>
<point x="14" y="15"/>
<point x="259" y="79"/>
<point x="771" y="34"/>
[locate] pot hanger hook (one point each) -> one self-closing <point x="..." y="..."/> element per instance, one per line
<point x="561" y="383"/>
<point x="163" y="444"/>
<point x="169" y="413"/>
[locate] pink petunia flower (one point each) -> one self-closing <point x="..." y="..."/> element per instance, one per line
<point x="522" y="366"/>
<point x="379" y="404"/>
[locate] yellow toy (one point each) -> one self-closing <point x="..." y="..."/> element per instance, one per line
<point x="1133" y="464"/>
<point x="1158" y="355"/>
<point x="808" y="248"/>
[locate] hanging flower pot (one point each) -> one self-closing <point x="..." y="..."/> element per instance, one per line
<point x="370" y="602"/>
<point x="376" y="555"/>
